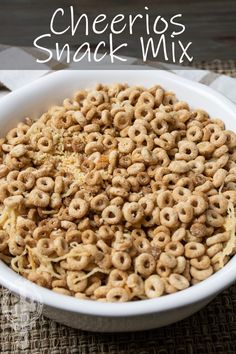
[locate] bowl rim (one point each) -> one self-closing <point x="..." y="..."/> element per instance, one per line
<point x="206" y="289"/>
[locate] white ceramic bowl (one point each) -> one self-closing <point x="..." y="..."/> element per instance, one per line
<point x="37" y="97"/>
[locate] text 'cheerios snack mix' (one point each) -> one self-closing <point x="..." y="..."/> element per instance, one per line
<point x="122" y="193"/>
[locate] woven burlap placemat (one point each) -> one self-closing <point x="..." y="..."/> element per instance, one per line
<point x="212" y="330"/>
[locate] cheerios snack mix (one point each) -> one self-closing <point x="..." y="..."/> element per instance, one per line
<point x="122" y="193"/>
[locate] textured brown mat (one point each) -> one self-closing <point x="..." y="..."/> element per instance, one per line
<point x="212" y="330"/>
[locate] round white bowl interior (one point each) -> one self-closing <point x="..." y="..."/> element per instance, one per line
<point x="36" y="98"/>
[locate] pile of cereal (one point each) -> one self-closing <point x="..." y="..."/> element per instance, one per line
<point x="122" y="193"/>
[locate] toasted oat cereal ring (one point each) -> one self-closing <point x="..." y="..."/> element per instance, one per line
<point x="154" y="286"/>
<point x="99" y="202"/>
<point x="162" y="269"/>
<point x="137" y="130"/>
<point x="205" y="148"/>
<point x="158" y="187"/>
<point x="170" y="180"/>
<point x="77" y="261"/>
<point x="169" y="289"/>
<point x="159" y="94"/>
<point x="165" y="199"/>
<point x="153" y="219"/>
<point x="93" y="178"/>
<point x="197" y="165"/>
<point x="210" y="168"/>
<point x="103" y="260"/>
<point x="161" y="157"/>
<point x="198" y="203"/>
<point x="146" y="99"/>
<point x="214" y="218"/>
<point x="45" y="144"/>
<point x="179" y="166"/>
<point x="194" y="249"/>
<point x="218" y="138"/>
<point x="218" y="238"/>
<point x="201" y="263"/>
<point x="180" y="194"/>
<point x="220" y="151"/>
<point x="194" y="133"/>
<point x="143" y="178"/>
<point x="136" y="168"/>
<point x="78" y="208"/>
<point x="182" y="115"/>
<point x="160" y="125"/>
<point x="117" y="294"/>
<point x="168" y="217"/>
<point x="201" y="274"/>
<point x="112" y="214"/>
<point x="125" y="145"/>
<point x="136" y="233"/>
<point x="145" y="264"/>
<point x="175" y="248"/>
<point x="122" y="120"/>
<point x="16" y="187"/>
<point x="92" y="147"/>
<point x="219" y="203"/>
<point x="27" y="178"/>
<point x="160" y="172"/>
<point x="199" y="115"/>
<point x="120" y="182"/>
<point x="166" y="141"/>
<point x="179" y="234"/>
<point x="169" y="98"/>
<point x="147" y="205"/>
<point x="74" y="283"/>
<point x="142" y="244"/>
<point x="95" y="98"/>
<point x="25" y="226"/>
<point x="15" y="136"/>
<point x="143" y="112"/>
<point x="39" y="198"/>
<point x="133" y="212"/>
<point x="93" y="283"/>
<point x="88" y="237"/>
<point x="125" y="161"/>
<point x="41" y="232"/>
<point x="117" y="278"/>
<point x="45" y="184"/>
<point x="181" y="265"/>
<point x="185" y="182"/>
<point x="231" y="139"/>
<point x="187" y="151"/>
<point x="121" y="260"/>
<point x="135" y="284"/>
<point x="101" y="292"/>
<point x="144" y="141"/>
<point x="45" y="247"/>
<point x="168" y="260"/>
<point x="178" y="281"/>
<point x="184" y="211"/>
<point x="219" y="177"/>
<point x="118" y="201"/>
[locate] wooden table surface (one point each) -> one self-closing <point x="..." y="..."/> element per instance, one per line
<point x="210" y="24"/>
